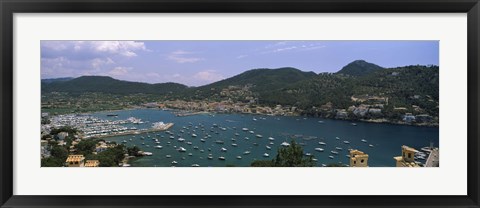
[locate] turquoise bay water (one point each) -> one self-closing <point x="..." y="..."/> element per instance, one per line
<point x="387" y="139"/>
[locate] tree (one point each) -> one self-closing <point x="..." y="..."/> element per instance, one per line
<point x="290" y="156"/>
<point x="293" y="156"/>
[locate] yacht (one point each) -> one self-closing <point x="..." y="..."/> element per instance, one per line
<point x="246" y="152"/>
<point x="210" y="157"/>
<point x="221" y="158"/>
<point x="266" y="155"/>
<point x="158" y="147"/>
<point x="189" y="143"/>
<point x="259" y="136"/>
<point x="147" y="153"/>
<point x="370" y="145"/>
<point x="244" y="129"/>
<point x="174" y="162"/>
<point x="271" y="138"/>
<point x="251" y="132"/>
<point x="239" y="157"/>
<point x="190" y="154"/>
<point x="364" y="141"/>
<point x="346" y="142"/>
<point x="233" y="144"/>
<point x="331" y="157"/>
<point x="308" y="154"/>
<point x="202" y="140"/>
<point x="181" y="149"/>
<point x="219" y="142"/>
<point x="334" y="152"/>
<point x="338" y="148"/>
<point x="319" y="149"/>
<point x="337" y="138"/>
<point x="168" y="156"/>
<point x="268" y="147"/>
<point x="322" y="143"/>
<point x="194" y="135"/>
<point x="223" y="149"/>
<point x="237" y="134"/>
<point x="285" y="144"/>
<point x="181" y="139"/>
<point x="195" y="165"/>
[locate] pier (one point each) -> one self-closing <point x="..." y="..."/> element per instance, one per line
<point x="433" y="160"/>
<point x="134" y="132"/>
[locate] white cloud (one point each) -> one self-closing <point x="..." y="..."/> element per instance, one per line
<point x="241" y="56"/>
<point x="209" y="76"/>
<point x="291" y="46"/>
<point x="124" y="48"/>
<point x="182" y="57"/>
<point x="119" y="71"/>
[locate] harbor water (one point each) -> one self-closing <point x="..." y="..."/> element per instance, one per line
<point x="381" y="142"/>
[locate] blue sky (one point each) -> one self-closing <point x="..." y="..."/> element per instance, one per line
<point x="196" y="63"/>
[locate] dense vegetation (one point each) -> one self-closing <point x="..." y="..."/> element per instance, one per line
<point x="290" y="156"/>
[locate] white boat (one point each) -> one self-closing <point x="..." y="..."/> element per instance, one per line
<point x="285" y="144"/>
<point x="147" y="153"/>
<point x="337" y="138"/>
<point x="181" y="149"/>
<point x="202" y="140"/>
<point x="246" y="152"/>
<point x="194" y="135"/>
<point x="190" y="154"/>
<point x="237" y="134"/>
<point x="268" y="147"/>
<point x="266" y="155"/>
<point x="233" y="144"/>
<point x="347" y="156"/>
<point x="334" y="152"/>
<point x="322" y="143"/>
<point x="254" y="119"/>
<point x="271" y="138"/>
<point x="221" y="158"/>
<point x="168" y="156"/>
<point x="271" y="143"/>
<point x="210" y="157"/>
<point x="338" y="148"/>
<point x="223" y="149"/>
<point x="259" y="136"/>
<point x="174" y="162"/>
<point x="246" y="138"/>
<point x="158" y="147"/>
<point x="244" y="129"/>
<point x="124" y="141"/>
<point x="239" y="157"/>
<point x="251" y="132"/>
<point x="308" y="154"/>
<point x="331" y="157"/>
<point x="319" y="149"/>
<point x="189" y="143"/>
<point x="364" y="141"/>
<point x="180" y="139"/>
<point x="370" y="145"/>
<point x="346" y="142"/>
<point x="195" y="165"/>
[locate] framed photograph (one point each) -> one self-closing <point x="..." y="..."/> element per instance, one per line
<point x="243" y="104"/>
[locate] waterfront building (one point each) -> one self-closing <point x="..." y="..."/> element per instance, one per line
<point x="358" y="159"/>
<point x="407" y="158"/>
<point x="92" y="163"/>
<point x="75" y="161"/>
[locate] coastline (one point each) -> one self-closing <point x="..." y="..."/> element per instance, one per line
<point x="379" y="121"/>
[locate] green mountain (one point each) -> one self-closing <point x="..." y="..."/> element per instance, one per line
<point x="63" y="79"/>
<point x="109" y="85"/>
<point x="359" y="68"/>
<point x="259" y="81"/>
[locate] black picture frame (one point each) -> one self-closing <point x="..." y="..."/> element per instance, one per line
<point x="9" y="7"/>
